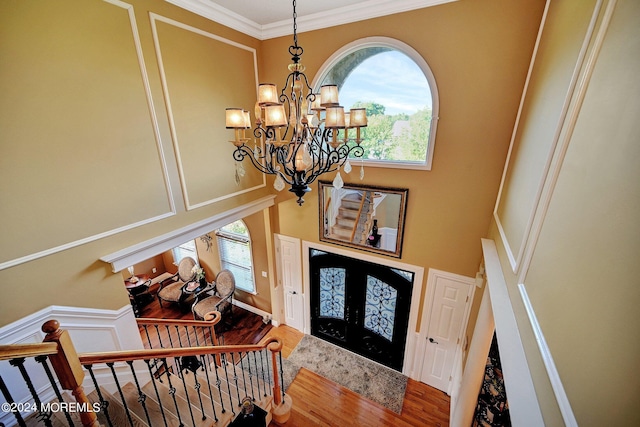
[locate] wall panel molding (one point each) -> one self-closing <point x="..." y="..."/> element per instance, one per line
<point x="189" y="205"/>
<point x="154" y="125"/>
<point x="516" y="250"/>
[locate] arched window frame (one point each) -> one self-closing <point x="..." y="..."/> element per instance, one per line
<point x="224" y="237"/>
<point x="419" y="60"/>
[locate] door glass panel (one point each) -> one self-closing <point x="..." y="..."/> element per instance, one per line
<point x="332" y="286"/>
<point x="406" y="274"/>
<point x="380" y="308"/>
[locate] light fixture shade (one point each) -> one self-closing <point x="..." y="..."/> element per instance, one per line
<point x="247" y="119"/>
<point x="335" y="117"/>
<point x="235" y="118"/>
<point x="313" y="121"/>
<point x="315" y="105"/>
<point x="267" y="94"/>
<point x="347" y="120"/>
<point x="358" y="117"/>
<point x="275" y="116"/>
<point x="329" y="96"/>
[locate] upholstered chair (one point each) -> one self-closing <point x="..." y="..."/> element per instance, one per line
<point x="173" y="288"/>
<point x="217" y="297"/>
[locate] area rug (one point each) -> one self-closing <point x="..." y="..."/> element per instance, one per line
<point x="369" y="379"/>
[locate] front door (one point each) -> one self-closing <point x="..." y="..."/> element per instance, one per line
<point x="360" y="306"/>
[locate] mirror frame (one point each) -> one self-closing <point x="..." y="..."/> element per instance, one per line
<point x="322" y="205"/>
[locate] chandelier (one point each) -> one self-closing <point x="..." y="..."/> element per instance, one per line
<point x="297" y="132"/>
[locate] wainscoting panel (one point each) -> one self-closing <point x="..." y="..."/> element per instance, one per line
<point x="91" y="330"/>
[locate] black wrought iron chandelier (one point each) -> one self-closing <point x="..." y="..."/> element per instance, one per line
<point x="310" y="145"/>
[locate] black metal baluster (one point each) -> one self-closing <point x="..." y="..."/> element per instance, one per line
<point x="218" y="382"/>
<point x="244" y="379"/>
<point x="184" y="385"/>
<point x="155" y="388"/>
<point x="159" y="336"/>
<point x="235" y="377"/>
<point x="179" y="338"/>
<point x="43" y="361"/>
<point x="44" y="416"/>
<point x="142" y="398"/>
<point x="186" y="329"/>
<point x="265" y="355"/>
<point x="263" y="369"/>
<point x="226" y="374"/>
<point x="172" y="392"/>
<point x="124" y="401"/>
<point x="281" y="374"/>
<point x="169" y="335"/>
<point x="146" y="331"/>
<point x="203" y="360"/>
<point x="191" y="363"/>
<point x="255" y="363"/>
<point x="7" y="396"/>
<point x="104" y="405"/>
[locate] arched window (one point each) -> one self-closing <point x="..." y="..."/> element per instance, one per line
<point x="234" y="246"/>
<point x="395" y="84"/>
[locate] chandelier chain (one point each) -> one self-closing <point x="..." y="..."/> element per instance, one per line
<point x="295" y="25"/>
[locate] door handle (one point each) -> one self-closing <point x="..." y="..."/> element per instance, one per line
<point x="433" y="341"/>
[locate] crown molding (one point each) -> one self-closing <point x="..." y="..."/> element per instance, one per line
<point x="339" y="16"/>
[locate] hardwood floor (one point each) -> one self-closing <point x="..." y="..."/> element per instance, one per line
<point x="318" y="401"/>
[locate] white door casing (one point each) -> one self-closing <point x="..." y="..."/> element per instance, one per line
<point x="288" y="258"/>
<point x="447" y="305"/>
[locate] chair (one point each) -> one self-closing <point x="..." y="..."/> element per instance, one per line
<point x="173" y="288"/>
<point x="218" y="297"/>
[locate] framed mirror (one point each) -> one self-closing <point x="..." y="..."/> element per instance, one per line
<point x="363" y="217"/>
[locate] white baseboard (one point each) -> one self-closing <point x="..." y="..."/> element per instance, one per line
<point x="254" y="310"/>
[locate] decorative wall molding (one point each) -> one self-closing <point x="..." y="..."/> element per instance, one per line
<point x="137" y="253"/>
<point x="418" y="278"/>
<point x="547" y="358"/>
<point x="174" y="134"/>
<point x="156" y="131"/>
<point x="550" y="168"/>
<point x="593" y="42"/>
<point x="342" y="15"/>
<point x="521" y="394"/>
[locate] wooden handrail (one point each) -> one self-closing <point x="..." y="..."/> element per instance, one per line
<point x="13" y="351"/>
<point x="211" y="319"/>
<point x="159" y="353"/>
<point x="355" y="225"/>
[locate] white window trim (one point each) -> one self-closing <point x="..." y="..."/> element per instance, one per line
<point x="419" y="60"/>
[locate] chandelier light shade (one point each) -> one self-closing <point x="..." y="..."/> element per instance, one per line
<point x="296" y="131"/>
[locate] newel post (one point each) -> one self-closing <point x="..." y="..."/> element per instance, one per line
<point x="281" y="405"/>
<point x="68" y="369"/>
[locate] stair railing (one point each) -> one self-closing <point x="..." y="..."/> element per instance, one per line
<point x="183" y="381"/>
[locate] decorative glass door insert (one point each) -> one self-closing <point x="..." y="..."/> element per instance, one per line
<point x="361" y="306"/>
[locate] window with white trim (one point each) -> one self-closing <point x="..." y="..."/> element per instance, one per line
<point x="396" y="86"/>
<point x="234" y="247"/>
<point x="187" y="249"/>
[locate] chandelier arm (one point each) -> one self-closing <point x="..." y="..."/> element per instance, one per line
<point x="243" y="151"/>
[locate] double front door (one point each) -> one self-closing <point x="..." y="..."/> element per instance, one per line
<point x="360" y="306"/>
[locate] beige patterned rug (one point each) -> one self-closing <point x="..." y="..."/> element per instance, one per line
<point x="378" y="383"/>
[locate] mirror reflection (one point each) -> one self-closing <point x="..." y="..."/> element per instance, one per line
<point x="363" y="217"/>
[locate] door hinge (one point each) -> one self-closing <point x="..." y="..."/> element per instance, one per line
<point x="467" y="300"/>
<point x="450" y="378"/>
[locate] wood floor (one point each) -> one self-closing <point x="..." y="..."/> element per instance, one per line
<point x="318" y="401"/>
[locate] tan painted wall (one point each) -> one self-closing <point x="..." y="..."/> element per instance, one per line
<point x="479" y="52"/>
<point x="80" y="149"/>
<point x="582" y="279"/>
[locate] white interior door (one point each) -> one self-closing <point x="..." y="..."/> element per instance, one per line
<point x="290" y="278"/>
<point x="450" y="299"/>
